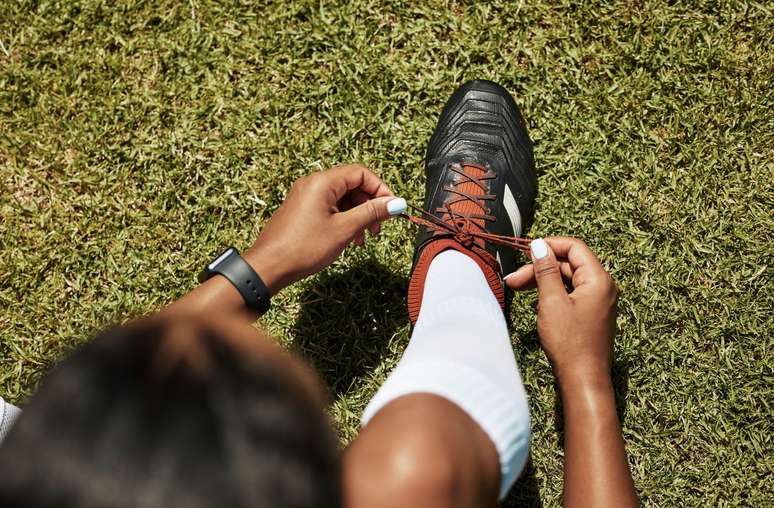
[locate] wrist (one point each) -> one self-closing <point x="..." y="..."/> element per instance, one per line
<point x="590" y="397"/>
<point x="585" y="379"/>
<point x="270" y="267"/>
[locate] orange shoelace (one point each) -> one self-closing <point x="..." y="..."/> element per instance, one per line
<point x="466" y="232"/>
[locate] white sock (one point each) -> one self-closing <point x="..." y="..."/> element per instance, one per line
<point x="8" y="415"/>
<point x="461" y="350"/>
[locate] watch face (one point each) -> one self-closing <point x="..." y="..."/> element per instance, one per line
<point x="226" y="253"/>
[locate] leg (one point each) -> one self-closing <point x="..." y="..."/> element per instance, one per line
<point x="456" y="399"/>
<point x="451" y="424"/>
<point x="421" y="451"/>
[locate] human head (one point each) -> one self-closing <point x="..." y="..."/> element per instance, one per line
<point x="173" y="413"/>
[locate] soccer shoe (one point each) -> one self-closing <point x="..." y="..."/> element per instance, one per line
<point x="480" y="179"/>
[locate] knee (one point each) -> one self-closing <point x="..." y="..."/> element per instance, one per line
<point x="422" y="450"/>
<point x="411" y="467"/>
<point x="422" y="464"/>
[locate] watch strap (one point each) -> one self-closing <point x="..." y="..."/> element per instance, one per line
<point x="233" y="267"/>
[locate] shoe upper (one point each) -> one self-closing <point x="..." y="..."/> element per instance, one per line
<point x="480" y="166"/>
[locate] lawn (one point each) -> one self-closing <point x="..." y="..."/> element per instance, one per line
<point x="138" y="138"/>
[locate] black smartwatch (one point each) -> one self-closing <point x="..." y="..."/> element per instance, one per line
<point x="233" y="267"/>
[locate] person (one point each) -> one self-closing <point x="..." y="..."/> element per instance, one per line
<point x="194" y="407"/>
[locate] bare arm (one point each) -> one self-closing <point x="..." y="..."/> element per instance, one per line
<point x="576" y="331"/>
<point x="596" y="472"/>
<point x="322" y="214"/>
<point x="217" y="296"/>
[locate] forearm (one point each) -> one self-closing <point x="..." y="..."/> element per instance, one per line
<point x="596" y="471"/>
<point x="218" y="296"/>
<point x="321" y="215"/>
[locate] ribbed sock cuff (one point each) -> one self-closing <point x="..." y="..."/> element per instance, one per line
<point x="8" y="415"/>
<point x="502" y="414"/>
<point x="416" y="287"/>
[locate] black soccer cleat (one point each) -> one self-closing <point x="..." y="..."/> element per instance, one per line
<point x="481" y="176"/>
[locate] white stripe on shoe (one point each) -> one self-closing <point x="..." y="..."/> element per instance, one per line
<point x="512" y="209"/>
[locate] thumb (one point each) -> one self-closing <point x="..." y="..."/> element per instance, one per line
<point x="374" y="210"/>
<point x="548" y="276"/>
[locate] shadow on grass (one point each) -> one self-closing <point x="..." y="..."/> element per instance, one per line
<point x="347" y="320"/>
<point x="525" y="493"/>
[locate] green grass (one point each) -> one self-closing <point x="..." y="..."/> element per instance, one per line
<point x="139" y="138"/>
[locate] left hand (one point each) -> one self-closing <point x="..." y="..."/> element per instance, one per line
<point x="576" y="328"/>
<point x="322" y="214"/>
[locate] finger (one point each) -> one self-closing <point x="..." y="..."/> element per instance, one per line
<point x="374" y="210"/>
<point x="585" y="264"/>
<point x="358" y="197"/>
<point x="566" y="268"/>
<point x="548" y="275"/>
<point x="349" y="177"/>
<point x="359" y="239"/>
<point x="524" y="278"/>
<point x="574" y="250"/>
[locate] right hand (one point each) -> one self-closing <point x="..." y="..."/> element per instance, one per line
<point x="576" y="328"/>
<point x="321" y="215"/>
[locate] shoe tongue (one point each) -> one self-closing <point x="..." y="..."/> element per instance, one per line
<point x="468" y="207"/>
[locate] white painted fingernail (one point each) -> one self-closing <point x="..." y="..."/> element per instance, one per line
<point x="509" y="275"/>
<point x="396" y="206"/>
<point x="539" y="248"/>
